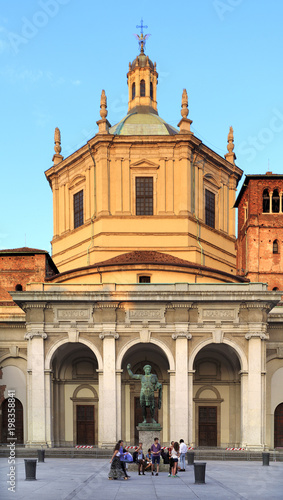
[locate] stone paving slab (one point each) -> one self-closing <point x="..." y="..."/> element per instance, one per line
<point x="87" y="479"/>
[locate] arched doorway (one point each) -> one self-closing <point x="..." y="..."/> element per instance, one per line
<point x="75" y="395"/>
<point x="138" y="356"/>
<point x="19" y="428"/>
<point x="278" y="426"/>
<point x="217" y="397"/>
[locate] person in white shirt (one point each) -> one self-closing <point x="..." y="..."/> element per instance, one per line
<point x="174" y="455"/>
<point x="183" y="451"/>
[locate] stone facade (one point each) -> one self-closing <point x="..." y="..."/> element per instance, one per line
<point x="158" y="287"/>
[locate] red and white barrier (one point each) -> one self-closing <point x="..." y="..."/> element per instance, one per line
<point x="136" y="447"/>
<point x="84" y="446"/>
<point x="162" y="447"/>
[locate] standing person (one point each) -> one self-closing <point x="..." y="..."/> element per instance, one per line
<point x="156" y="450"/>
<point x="140" y="460"/>
<point x="123" y="465"/>
<point x="116" y="471"/>
<point x="183" y="451"/>
<point x="170" y="458"/>
<point x="175" y="454"/>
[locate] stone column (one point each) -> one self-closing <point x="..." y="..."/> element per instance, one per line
<point x="173" y="429"/>
<point x="108" y="410"/>
<point x="36" y="387"/>
<point x="244" y="408"/>
<point x="191" y="440"/>
<point x="119" y="402"/>
<point x="255" y="394"/>
<point x="100" y="408"/>
<point x="181" y="405"/>
<point x="48" y="407"/>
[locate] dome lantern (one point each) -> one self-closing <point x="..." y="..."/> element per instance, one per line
<point x="142" y="77"/>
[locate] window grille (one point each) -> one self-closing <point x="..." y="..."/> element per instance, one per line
<point x="78" y="209"/>
<point x="144" y="195"/>
<point x="209" y="208"/>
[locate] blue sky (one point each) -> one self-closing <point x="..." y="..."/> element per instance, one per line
<point x="57" y="56"/>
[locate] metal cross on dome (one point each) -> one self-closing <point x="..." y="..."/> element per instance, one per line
<point x="141" y="26"/>
<point x="142" y="38"/>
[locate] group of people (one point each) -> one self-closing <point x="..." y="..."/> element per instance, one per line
<point x="177" y="451"/>
<point x="151" y="460"/>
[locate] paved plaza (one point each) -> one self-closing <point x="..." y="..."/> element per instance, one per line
<point x="87" y="479"/>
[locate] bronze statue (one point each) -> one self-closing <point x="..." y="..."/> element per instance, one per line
<point x="149" y="384"/>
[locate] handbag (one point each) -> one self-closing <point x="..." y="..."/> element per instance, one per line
<point x="127" y="457"/>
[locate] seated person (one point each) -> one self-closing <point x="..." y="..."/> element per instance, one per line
<point x="148" y="459"/>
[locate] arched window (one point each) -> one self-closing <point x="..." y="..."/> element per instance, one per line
<point x="18" y="288"/>
<point x="275" y="201"/>
<point x="151" y="90"/>
<point x="275" y="289"/>
<point x="275" y="246"/>
<point x="133" y="90"/>
<point x="142" y="92"/>
<point x="265" y="201"/>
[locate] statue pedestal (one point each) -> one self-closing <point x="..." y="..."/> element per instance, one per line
<point x="147" y="433"/>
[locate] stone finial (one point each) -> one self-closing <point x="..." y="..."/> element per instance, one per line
<point x="103" y="124"/>
<point x="57" y="158"/>
<point x="185" y="110"/>
<point x="57" y="141"/>
<point x="230" y="140"/>
<point x="103" y="105"/>
<point x="230" y="156"/>
<point x="185" y="123"/>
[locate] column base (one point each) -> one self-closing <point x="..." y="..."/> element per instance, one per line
<point x="255" y="447"/>
<point x="38" y="444"/>
<point x="107" y="445"/>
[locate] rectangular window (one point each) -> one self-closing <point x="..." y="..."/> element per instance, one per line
<point x="144" y="279"/>
<point x="78" y="209"/>
<point x="209" y="208"/>
<point x="144" y="195"/>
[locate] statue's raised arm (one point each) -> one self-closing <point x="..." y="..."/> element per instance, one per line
<point x="137" y="377"/>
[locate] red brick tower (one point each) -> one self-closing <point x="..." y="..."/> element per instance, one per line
<point x="260" y="230"/>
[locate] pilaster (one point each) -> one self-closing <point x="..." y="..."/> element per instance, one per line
<point x="107" y="382"/>
<point x="181" y="418"/>
<point x="254" y="400"/>
<point x="37" y="410"/>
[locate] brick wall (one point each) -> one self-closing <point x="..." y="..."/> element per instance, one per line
<point x="256" y="233"/>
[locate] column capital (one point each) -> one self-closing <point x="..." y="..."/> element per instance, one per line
<point x="109" y="334"/>
<point x="31" y="334"/>
<point x="256" y="335"/>
<point x="182" y="335"/>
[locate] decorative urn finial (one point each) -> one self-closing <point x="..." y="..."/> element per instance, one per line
<point x="57" y="141"/>
<point x="230" y="156"/>
<point x="185" y="123"/>
<point x="103" y="105"/>
<point x="103" y="124"/>
<point x="185" y="110"/>
<point x="57" y="158"/>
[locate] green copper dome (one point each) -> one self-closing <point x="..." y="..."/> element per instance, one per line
<point x="142" y="120"/>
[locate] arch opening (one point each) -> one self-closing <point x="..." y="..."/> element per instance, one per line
<point x="75" y="390"/>
<point x="139" y="355"/>
<point x="217" y="396"/>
